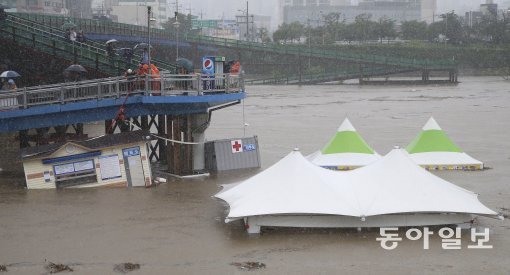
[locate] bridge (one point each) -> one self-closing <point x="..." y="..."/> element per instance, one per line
<point x="52" y="40"/>
<point x="176" y="107"/>
<point x="364" y="63"/>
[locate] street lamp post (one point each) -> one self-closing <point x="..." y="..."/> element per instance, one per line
<point x="247" y="22"/>
<point x="177" y="25"/>
<point x="149" y="38"/>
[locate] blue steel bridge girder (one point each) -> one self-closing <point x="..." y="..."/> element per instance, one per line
<point x="107" y="109"/>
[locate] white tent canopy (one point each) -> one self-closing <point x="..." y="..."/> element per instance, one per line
<point x="433" y="149"/>
<point x="392" y="185"/>
<point x="347" y="150"/>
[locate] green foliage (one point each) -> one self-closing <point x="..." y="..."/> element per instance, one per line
<point x="450" y="29"/>
<point x="185" y="24"/>
<point x="289" y="32"/>
<point x="414" y="30"/>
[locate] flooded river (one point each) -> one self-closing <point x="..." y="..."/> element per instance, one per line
<point x="177" y="228"/>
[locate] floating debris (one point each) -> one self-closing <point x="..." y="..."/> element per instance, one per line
<point x="3" y="268"/>
<point x="126" y="267"/>
<point x="505" y="212"/>
<point x="249" y="265"/>
<point x="57" y="268"/>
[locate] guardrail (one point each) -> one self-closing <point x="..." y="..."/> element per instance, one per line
<point x="117" y="87"/>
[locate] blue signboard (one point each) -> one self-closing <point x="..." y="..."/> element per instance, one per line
<point x="249" y="147"/>
<point x="131" y="152"/>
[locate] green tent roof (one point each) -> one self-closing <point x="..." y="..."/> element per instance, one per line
<point x="347" y="140"/>
<point x="432" y="139"/>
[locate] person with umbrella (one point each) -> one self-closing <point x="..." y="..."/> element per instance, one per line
<point x="127" y="53"/>
<point x="74" y="72"/>
<point x="9" y="85"/>
<point x="110" y="48"/>
<point x="80" y="37"/>
<point x="145" y="57"/>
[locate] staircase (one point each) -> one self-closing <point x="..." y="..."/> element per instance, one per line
<point x="51" y="40"/>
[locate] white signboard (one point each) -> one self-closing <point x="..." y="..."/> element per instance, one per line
<point x="110" y="167"/>
<point x="83" y="165"/>
<point x="237" y="146"/>
<point x="64" y="169"/>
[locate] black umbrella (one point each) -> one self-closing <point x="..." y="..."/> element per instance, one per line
<point x="186" y="64"/>
<point x="9" y="74"/>
<point x="141" y="46"/>
<point x="124" y="51"/>
<point x="76" y="69"/>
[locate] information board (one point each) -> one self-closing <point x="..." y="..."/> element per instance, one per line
<point x="83" y="165"/>
<point x="64" y="169"/>
<point x="110" y="167"/>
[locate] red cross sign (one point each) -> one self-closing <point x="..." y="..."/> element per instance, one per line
<point x="237" y="146"/>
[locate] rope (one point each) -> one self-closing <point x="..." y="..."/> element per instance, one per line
<point x="171" y="140"/>
<point x="177" y="141"/>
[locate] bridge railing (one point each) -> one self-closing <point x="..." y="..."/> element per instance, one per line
<point x="92" y="50"/>
<point x="119" y="87"/>
<point x="97" y="26"/>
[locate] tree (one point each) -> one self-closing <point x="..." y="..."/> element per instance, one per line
<point x="453" y="28"/>
<point x="263" y="35"/>
<point x="185" y="25"/>
<point x="414" y="30"/>
<point x="385" y="28"/>
<point x="333" y="27"/>
<point x="289" y="32"/>
<point x="493" y="29"/>
<point x="364" y="27"/>
<point x="435" y="30"/>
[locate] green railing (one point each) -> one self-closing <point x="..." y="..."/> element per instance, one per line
<point x="105" y="27"/>
<point x="327" y="76"/>
<point x="52" y="40"/>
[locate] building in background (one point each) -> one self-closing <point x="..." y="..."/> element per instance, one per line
<point x="134" y="12"/>
<point x="251" y="28"/>
<point x="72" y="8"/>
<point x="220" y="28"/>
<point x="8" y="5"/>
<point x="489" y="9"/>
<point x="312" y="11"/>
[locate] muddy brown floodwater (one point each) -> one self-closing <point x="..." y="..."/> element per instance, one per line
<point x="177" y="228"/>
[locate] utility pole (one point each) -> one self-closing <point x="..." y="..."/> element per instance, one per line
<point x="446" y="31"/>
<point x="309" y="42"/>
<point x="247" y="22"/>
<point x="176" y="25"/>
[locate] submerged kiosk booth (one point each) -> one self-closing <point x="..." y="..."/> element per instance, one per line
<point x="119" y="160"/>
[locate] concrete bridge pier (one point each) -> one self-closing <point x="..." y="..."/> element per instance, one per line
<point x="182" y="159"/>
<point x="185" y="159"/>
<point x="425" y="75"/>
<point x="179" y="156"/>
<point x="453" y="76"/>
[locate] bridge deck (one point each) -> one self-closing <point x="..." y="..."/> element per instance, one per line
<point x="96" y="100"/>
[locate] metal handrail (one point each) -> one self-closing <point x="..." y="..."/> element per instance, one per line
<point x="110" y="27"/>
<point x="96" y="47"/>
<point x="116" y="87"/>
